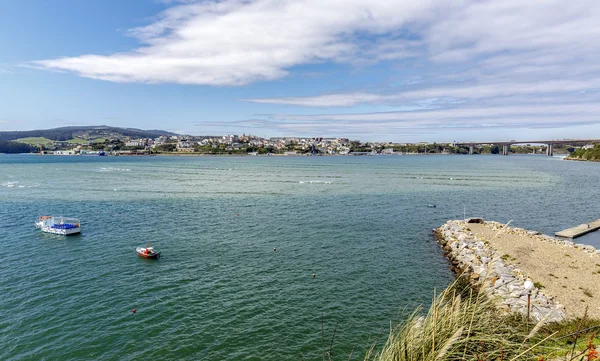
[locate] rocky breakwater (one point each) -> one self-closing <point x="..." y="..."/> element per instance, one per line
<point x="487" y="269"/>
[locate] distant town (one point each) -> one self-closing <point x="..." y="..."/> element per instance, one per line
<point x="104" y="140"/>
<point x="252" y="145"/>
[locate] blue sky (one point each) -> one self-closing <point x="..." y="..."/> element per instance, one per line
<point x="378" y="70"/>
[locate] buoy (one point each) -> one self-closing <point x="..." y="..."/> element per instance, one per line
<point x="314" y="275"/>
<point x="274" y="249"/>
<point x="134" y="311"/>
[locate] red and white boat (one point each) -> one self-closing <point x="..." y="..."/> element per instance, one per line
<point x="147" y="252"/>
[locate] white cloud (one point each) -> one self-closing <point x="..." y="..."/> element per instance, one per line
<point x="234" y="42"/>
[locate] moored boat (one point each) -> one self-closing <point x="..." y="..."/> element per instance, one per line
<point x="59" y="225"/>
<point x="147" y="252"/>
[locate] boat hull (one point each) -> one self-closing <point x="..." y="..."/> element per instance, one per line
<point x="61" y="232"/>
<point x="152" y="255"/>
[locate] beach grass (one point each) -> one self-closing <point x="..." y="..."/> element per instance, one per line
<point x="464" y="324"/>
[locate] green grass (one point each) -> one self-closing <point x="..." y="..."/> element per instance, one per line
<point x="35" y="140"/>
<point x="77" y="141"/>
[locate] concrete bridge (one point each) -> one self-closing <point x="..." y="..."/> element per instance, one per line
<point x="549" y="144"/>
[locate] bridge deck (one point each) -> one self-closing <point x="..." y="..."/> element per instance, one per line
<point x="579" y="230"/>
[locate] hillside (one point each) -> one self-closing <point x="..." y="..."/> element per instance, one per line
<point x="592" y="154"/>
<point x="81" y="132"/>
<point x="8" y="147"/>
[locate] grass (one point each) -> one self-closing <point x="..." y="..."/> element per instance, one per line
<point x="35" y="140"/>
<point x="77" y="141"/>
<point x="463" y="324"/>
<point x="507" y="258"/>
<point x="456" y="327"/>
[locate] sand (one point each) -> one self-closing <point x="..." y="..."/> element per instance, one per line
<point x="569" y="274"/>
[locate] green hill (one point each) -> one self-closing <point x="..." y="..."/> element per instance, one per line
<point x="592" y="154"/>
<point x="35" y="140"/>
<point x="76" y="133"/>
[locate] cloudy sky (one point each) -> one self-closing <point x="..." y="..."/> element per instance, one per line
<point x="418" y="70"/>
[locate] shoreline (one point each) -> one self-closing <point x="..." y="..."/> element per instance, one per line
<point x="583" y="160"/>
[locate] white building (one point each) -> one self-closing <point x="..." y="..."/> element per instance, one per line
<point x="136" y="143"/>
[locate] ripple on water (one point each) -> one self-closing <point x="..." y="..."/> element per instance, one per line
<point x="220" y="292"/>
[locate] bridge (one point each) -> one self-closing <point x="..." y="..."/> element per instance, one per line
<point x="549" y="144"/>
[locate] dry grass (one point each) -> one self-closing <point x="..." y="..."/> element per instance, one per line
<point x="458" y="327"/>
<point x="463" y="324"/>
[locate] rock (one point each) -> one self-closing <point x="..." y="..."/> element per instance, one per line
<point x="484" y="266"/>
<point x="589" y="248"/>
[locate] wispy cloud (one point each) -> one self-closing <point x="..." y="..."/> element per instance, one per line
<point x="482" y="89"/>
<point x="451" y="122"/>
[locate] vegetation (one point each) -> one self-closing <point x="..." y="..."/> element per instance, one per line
<point x="463" y="324"/>
<point x="16" y="147"/>
<point x="592" y="154"/>
<point x="67" y="133"/>
<point x="35" y="141"/>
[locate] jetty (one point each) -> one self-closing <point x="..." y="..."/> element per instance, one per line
<point x="500" y="259"/>
<point x="579" y="230"/>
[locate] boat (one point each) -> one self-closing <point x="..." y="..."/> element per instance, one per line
<point x="431" y="205"/>
<point x="59" y="225"/>
<point x="147" y="252"/>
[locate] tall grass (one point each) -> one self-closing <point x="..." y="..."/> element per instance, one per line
<point x="461" y="324"/>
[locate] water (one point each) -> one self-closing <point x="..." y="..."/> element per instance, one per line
<point x="220" y="291"/>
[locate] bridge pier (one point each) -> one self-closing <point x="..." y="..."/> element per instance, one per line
<point x="549" y="150"/>
<point x="505" y="149"/>
<point x="471" y="148"/>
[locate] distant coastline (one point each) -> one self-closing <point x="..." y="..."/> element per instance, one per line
<point x="588" y="154"/>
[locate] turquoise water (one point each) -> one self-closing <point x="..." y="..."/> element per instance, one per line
<point x="220" y="291"/>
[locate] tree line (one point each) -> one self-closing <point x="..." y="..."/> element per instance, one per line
<point x="9" y="147"/>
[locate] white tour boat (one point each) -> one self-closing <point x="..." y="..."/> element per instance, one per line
<point x="58" y="225"/>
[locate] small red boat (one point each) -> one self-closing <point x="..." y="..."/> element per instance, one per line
<point x="147" y="252"/>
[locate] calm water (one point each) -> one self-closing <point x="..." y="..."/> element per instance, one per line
<point x="220" y="292"/>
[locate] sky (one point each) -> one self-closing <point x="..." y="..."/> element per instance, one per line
<point x="374" y="70"/>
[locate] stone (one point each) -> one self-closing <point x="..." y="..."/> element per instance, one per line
<point x="504" y="283"/>
<point x="589" y="248"/>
